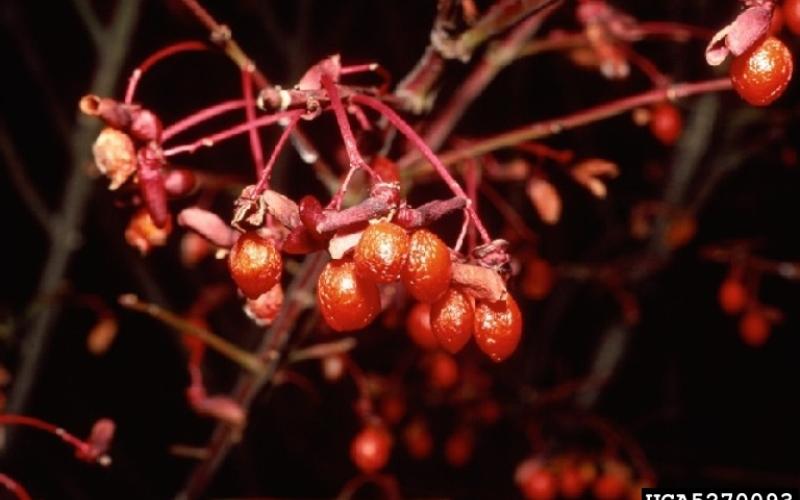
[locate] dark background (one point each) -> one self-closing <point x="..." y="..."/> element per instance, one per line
<point x="706" y="408"/>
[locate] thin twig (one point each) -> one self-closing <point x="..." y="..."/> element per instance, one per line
<point x="22" y="184"/>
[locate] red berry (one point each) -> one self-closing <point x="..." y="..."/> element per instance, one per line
<point x="571" y="482"/>
<point x="732" y="296"/>
<point x="498" y="327"/>
<point x="761" y="74"/>
<point x="540" y="484"/>
<point x="428" y="268"/>
<point x="538" y="278"/>
<point x="381" y="252"/>
<point x="371" y="448"/>
<point x="418" y="326"/>
<point x="666" y="123"/>
<point x="418" y="440"/>
<point x="452" y="320"/>
<point x="754" y="328"/>
<point x="393" y="408"/>
<point x="791" y="14"/>
<point x="609" y="486"/>
<point x="442" y="370"/>
<point x="255" y="264"/>
<point x="347" y="301"/>
<point x="458" y="448"/>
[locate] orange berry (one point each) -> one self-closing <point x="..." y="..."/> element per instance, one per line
<point x="610" y="486"/>
<point x="143" y="233"/>
<point x="571" y="482"/>
<point x="732" y="296"/>
<point x="452" y="320"/>
<point x="371" y="448"/>
<point x="381" y="252"/>
<point x="761" y="74"/>
<point x="498" y="327"/>
<point x="347" y="301"/>
<point x="255" y="264"/>
<point x="428" y="269"/>
<point x="418" y="326"/>
<point x="666" y="123"/>
<point x="754" y="328"/>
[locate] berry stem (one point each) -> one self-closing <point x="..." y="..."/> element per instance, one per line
<point x="415" y="139"/>
<point x="14" y="487"/>
<point x="201" y="116"/>
<point x="266" y="172"/>
<point x="250" y="112"/>
<point x="239" y="356"/>
<point x="78" y="444"/>
<point x="323" y="350"/>
<point x="159" y="55"/>
<point x="356" y="161"/>
<point x="214" y="139"/>
<point x="546" y="128"/>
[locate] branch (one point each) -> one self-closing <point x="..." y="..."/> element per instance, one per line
<point x="111" y="56"/>
<point x="22" y="184"/>
<point x="90" y="20"/>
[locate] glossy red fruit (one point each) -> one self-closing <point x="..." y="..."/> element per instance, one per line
<point x="754" y="328"/>
<point x="498" y="327"/>
<point x="418" y="440"/>
<point x="540" y="484"/>
<point x="428" y="269"/>
<point x="255" y="264"/>
<point x="762" y="74"/>
<point x="393" y="408"/>
<point x="571" y="482"/>
<point x="458" y="448"/>
<point x="732" y="296"/>
<point x="610" y="486"/>
<point x="791" y="15"/>
<point x="453" y="320"/>
<point x="418" y="326"/>
<point x="371" y="448"/>
<point x="347" y="301"/>
<point x="381" y="252"/>
<point x="666" y="123"/>
<point x="442" y="370"/>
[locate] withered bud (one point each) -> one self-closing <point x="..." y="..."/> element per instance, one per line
<point x="115" y="156"/>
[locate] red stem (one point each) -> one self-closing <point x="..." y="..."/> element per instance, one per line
<point x="356" y="161"/>
<point x="14" y="487"/>
<point x="263" y="181"/>
<point x="539" y="130"/>
<point x="415" y="139"/>
<point x="58" y="432"/>
<point x="201" y="116"/>
<point x="164" y="53"/>
<point x="213" y="139"/>
<point x="250" y="111"/>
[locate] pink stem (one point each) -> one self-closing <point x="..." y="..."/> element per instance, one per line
<point x="14" y="487"/>
<point x="250" y="110"/>
<point x="168" y="51"/>
<point x="227" y="134"/>
<point x="415" y="139"/>
<point x="201" y="116"/>
<point x="263" y="181"/>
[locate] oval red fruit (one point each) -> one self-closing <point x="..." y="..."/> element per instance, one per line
<point x="428" y="269"/>
<point x="255" y="264"/>
<point x="761" y="74"/>
<point x="381" y="252"/>
<point x="498" y="327"/>
<point x="452" y="320"/>
<point x="371" y="448"/>
<point x="347" y="301"/>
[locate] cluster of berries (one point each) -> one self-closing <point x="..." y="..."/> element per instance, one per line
<point x="573" y="477"/>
